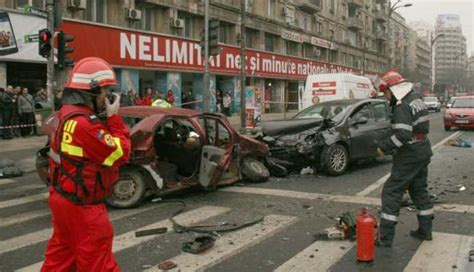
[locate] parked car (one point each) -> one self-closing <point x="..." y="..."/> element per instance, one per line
<point x="327" y="136"/>
<point x="432" y="103"/>
<point x="460" y="114"/>
<point x="174" y="149"/>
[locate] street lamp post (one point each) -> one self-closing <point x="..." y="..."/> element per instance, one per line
<point x="433" y="58"/>
<point x="392" y="9"/>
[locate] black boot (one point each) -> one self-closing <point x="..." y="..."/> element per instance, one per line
<point x="424" y="228"/>
<point x="387" y="232"/>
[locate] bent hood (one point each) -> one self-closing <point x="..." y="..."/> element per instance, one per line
<point x="291" y="126"/>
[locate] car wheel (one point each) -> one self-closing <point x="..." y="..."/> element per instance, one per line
<point x="254" y="170"/>
<point x="129" y="190"/>
<point x="276" y="169"/>
<point x="447" y="128"/>
<point x="336" y="159"/>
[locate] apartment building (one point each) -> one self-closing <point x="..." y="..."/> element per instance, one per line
<point x="450" y="54"/>
<point x="155" y="43"/>
<point x="422" y="73"/>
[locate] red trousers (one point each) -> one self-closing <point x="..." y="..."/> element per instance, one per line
<point x="82" y="238"/>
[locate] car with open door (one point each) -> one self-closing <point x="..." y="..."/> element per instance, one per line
<point x="327" y="136"/>
<point x="175" y="149"/>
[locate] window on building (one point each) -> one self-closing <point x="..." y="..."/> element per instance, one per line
<point x="39" y="4"/>
<point x="96" y="11"/>
<point x="249" y="5"/>
<point x="271" y="8"/>
<point x="269" y="42"/>
<point x="250" y="38"/>
<point x="293" y="48"/>
<point x="147" y="21"/>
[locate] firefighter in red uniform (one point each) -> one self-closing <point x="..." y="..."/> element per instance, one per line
<point x="85" y="156"/>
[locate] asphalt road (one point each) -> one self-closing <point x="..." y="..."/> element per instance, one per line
<point x="293" y="210"/>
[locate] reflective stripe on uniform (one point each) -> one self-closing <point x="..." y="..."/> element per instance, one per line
<point x="421" y="119"/>
<point x="426" y="212"/>
<point x="72" y="149"/>
<point x="402" y="126"/>
<point x="117" y="154"/>
<point x="395" y="141"/>
<point x="389" y="217"/>
<point x="54" y="156"/>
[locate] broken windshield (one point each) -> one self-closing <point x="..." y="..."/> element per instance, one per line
<point x="333" y="111"/>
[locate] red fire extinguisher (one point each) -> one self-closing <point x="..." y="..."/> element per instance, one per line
<point x="365" y="224"/>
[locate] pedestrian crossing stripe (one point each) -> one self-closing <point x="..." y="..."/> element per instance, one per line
<point x="43" y="235"/>
<point x="447" y="252"/>
<point x="23" y="217"/>
<point x="128" y="239"/>
<point x="231" y="244"/>
<point x="23" y="200"/>
<point x="6" y="181"/>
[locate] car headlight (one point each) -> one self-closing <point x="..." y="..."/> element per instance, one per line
<point x="448" y="116"/>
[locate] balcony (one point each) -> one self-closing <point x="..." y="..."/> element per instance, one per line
<point x="354" y="23"/>
<point x="355" y="3"/>
<point x="310" y="6"/>
<point x="381" y="16"/>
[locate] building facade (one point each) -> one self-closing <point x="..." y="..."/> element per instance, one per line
<point x="422" y="72"/>
<point x="155" y="43"/>
<point x="450" y="53"/>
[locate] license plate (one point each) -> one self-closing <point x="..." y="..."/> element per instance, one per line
<point x="461" y="121"/>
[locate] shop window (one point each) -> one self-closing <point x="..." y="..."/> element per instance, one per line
<point x="269" y="42"/>
<point x="96" y="11"/>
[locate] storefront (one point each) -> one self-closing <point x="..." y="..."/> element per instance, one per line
<point x="144" y="59"/>
<point x="20" y="64"/>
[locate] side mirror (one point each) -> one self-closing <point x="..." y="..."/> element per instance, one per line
<point x="360" y="121"/>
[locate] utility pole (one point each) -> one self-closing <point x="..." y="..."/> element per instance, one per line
<point x="50" y="62"/>
<point x="207" y="78"/>
<point x="242" y="64"/>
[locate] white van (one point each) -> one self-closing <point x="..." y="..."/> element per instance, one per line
<point x="326" y="87"/>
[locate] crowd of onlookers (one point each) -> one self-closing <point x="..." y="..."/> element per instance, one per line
<point x="17" y="111"/>
<point x="17" y="106"/>
<point x="188" y="101"/>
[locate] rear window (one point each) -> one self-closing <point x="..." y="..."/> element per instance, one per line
<point x="463" y="103"/>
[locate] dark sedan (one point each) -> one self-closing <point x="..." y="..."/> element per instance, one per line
<point x="327" y="136"/>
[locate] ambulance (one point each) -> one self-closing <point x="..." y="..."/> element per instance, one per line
<point x="327" y="87"/>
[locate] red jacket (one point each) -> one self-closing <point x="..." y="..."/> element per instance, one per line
<point x="86" y="154"/>
<point x="146" y="101"/>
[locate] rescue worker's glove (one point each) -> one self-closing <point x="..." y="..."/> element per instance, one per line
<point x="112" y="108"/>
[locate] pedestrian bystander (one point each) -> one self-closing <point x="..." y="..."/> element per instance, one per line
<point x="26" y="110"/>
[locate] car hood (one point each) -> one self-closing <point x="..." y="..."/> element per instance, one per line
<point x="291" y="126"/>
<point x="463" y="111"/>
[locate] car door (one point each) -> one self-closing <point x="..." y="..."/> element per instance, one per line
<point x="382" y="128"/>
<point x="361" y="133"/>
<point x="218" y="155"/>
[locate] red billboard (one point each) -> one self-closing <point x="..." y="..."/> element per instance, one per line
<point x="135" y="49"/>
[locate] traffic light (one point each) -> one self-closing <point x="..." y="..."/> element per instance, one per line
<point x="44" y="43"/>
<point x="214" y="48"/>
<point x="64" y="49"/>
<point x="214" y="37"/>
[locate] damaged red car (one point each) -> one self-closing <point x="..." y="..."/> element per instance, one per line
<point x="175" y="149"/>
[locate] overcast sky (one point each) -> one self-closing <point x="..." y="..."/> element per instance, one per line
<point x="427" y="10"/>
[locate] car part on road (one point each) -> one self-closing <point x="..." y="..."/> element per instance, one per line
<point x="199" y="245"/>
<point x="148" y="232"/>
<point x="254" y="170"/>
<point x="167" y="265"/>
<point x="335" y="159"/>
<point x="129" y="190"/>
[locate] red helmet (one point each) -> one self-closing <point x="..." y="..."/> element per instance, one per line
<point x="91" y="73"/>
<point x="389" y="79"/>
<point x="398" y="85"/>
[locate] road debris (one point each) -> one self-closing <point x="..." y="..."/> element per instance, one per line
<point x="460" y="143"/>
<point x="9" y="170"/>
<point x="167" y="265"/>
<point x="200" y="244"/>
<point x="461" y="187"/>
<point x="307" y="171"/>
<point x="471" y="255"/>
<point x="148" y="232"/>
